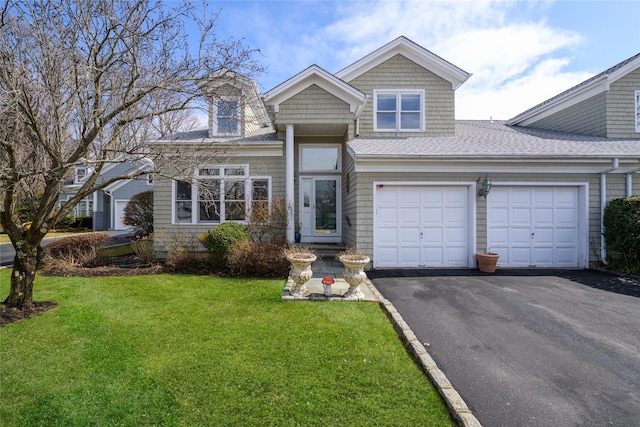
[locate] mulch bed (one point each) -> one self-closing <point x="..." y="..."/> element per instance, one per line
<point x="11" y="315"/>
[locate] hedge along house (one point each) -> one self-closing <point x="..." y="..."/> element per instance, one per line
<point x="373" y="157"/>
<point x="106" y="206"/>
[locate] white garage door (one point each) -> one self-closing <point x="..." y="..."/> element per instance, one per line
<point x="533" y="226"/>
<point x="119" y="217"/>
<point x="421" y="226"/>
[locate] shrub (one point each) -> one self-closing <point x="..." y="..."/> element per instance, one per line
<point x="139" y="212"/>
<point x="79" y="250"/>
<point x="143" y="248"/>
<point x="77" y="222"/>
<point x="220" y="239"/>
<point x="622" y="232"/>
<point x="257" y="259"/>
<point x="183" y="260"/>
<point x="268" y="222"/>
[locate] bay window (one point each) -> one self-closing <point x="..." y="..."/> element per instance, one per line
<point x="218" y="194"/>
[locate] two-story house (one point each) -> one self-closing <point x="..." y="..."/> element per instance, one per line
<point x="373" y="157"/>
<point x="106" y="206"/>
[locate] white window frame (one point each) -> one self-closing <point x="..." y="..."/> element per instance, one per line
<point x="216" y="117"/>
<point x="222" y="178"/>
<point x="302" y="147"/>
<point x="637" y="110"/>
<point x="78" y="178"/>
<point x="398" y="111"/>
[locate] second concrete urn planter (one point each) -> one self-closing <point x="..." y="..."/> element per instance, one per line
<point x="354" y="273"/>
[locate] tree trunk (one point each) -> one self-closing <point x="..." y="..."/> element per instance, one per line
<point x="24" y="273"/>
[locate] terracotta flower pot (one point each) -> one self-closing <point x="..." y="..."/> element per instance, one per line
<point x="487" y="261"/>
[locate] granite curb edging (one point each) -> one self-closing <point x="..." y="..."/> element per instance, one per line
<point x="459" y="410"/>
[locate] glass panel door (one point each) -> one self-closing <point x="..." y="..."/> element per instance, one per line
<point x="326" y="206"/>
<point x="319" y="204"/>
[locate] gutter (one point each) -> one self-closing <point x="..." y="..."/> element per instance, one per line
<point x="603" y="203"/>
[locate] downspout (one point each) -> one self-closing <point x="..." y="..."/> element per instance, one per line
<point x="629" y="182"/>
<point x="603" y="203"/>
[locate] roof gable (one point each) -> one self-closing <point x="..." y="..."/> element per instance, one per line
<point x="314" y="75"/>
<point x="581" y="92"/>
<point x="411" y="51"/>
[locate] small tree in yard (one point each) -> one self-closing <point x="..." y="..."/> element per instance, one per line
<point x="139" y="212"/>
<point x="83" y="82"/>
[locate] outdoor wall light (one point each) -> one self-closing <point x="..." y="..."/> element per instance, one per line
<point x="485" y="186"/>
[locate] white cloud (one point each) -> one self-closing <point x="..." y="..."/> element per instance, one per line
<point x="516" y="61"/>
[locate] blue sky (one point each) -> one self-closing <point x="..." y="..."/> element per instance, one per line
<point x="520" y="52"/>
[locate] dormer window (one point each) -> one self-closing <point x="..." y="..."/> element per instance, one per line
<point x="81" y="174"/>
<point x="227" y="115"/>
<point x="398" y="110"/>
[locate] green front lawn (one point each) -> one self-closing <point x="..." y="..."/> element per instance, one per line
<point x="200" y="351"/>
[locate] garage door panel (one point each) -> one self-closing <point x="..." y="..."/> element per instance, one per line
<point x="387" y="256"/>
<point x="433" y="257"/>
<point x="409" y="236"/>
<point x="432" y="236"/>
<point x="432" y="216"/>
<point x="520" y="197"/>
<point x="408" y="197"/>
<point x="566" y="257"/>
<point x="456" y="257"/>
<point x="431" y="197"/>
<point x="499" y="216"/>
<point x="388" y="216"/>
<point x="456" y="216"/>
<point x="520" y="236"/>
<point x="409" y="216"/>
<point x="409" y="256"/>
<point x="541" y="226"/>
<point x="520" y="257"/>
<point x="456" y="236"/>
<point x="542" y="257"/>
<point x="566" y="216"/>
<point x="387" y="236"/>
<point x="431" y="226"/>
<point x="542" y="216"/>
<point x="543" y="237"/>
<point x="456" y="197"/>
<point x="520" y="216"/>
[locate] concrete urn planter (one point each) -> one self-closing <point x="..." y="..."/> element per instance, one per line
<point x="300" y="272"/>
<point x="487" y="261"/>
<point x="354" y="273"/>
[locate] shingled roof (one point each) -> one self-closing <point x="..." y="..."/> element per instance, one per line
<point x="495" y="139"/>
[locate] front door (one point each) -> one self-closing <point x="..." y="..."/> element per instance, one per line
<point x="320" y="209"/>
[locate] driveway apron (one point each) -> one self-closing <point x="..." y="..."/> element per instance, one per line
<point x="529" y="347"/>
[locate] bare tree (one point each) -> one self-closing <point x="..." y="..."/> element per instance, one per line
<point x="87" y="81"/>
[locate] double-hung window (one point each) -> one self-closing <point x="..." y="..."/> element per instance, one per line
<point x="218" y="194"/>
<point x="227" y="122"/>
<point x="398" y="110"/>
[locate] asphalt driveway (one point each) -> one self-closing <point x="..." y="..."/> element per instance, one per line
<point x="529" y="347"/>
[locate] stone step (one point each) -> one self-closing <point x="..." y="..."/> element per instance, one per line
<point x="326" y="250"/>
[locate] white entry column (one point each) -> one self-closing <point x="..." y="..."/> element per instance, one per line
<point x="290" y="184"/>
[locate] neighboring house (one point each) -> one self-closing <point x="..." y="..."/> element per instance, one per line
<point x="372" y="157"/>
<point x="106" y="206"/>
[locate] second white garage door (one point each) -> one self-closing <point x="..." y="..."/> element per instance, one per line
<point x="421" y="226"/>
<point x="534" y="226"/>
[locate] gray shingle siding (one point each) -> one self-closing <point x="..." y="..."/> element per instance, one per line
<point x="314" y="105"/>
<point x="587" y="117"/>
<point x="620" y="114"/>
<point x="401" y="73"/>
